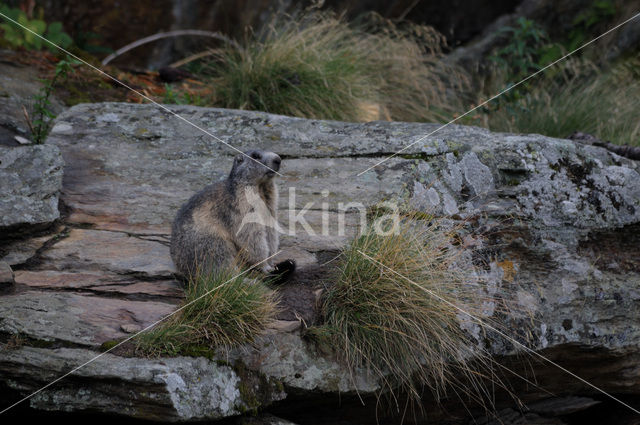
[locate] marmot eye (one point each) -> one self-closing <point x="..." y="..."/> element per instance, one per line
<point x="255" y="155"/>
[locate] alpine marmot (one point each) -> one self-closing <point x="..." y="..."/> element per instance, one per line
<point x="231" y="223"/>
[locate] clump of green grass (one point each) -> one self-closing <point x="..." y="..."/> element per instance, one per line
<point x="605" y="105"/>
<point x="392" y="312"/>
<point x="221" y="311"/>
<point x="319" y="66"/>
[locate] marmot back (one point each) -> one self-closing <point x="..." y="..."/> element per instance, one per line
<point x="231" y="222"/>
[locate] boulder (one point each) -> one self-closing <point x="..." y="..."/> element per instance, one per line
<point x="168" y="389"/>
<point x="30" y="181"/>
<point x="556" y="222"/>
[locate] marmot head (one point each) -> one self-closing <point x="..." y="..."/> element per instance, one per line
<point x="255" y="166"/>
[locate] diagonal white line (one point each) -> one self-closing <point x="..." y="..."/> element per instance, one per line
<point x="135" y="335"/>
<point x="488" y="326"/>
<point x="142" y="95"/>
<point x="499" y="94"/>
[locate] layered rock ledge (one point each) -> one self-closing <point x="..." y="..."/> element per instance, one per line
<point x="561" y="227"/>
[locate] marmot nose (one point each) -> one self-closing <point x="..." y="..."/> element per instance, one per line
<point x="276" y="162"/>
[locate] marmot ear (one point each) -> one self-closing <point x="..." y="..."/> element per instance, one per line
<point x="239" y="159"/>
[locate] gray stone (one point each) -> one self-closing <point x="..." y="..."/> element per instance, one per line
<point x="289" y="360"/>
<point x="75" y="320"/>
<point x="19" y="251"/>
<point x="175" y="389"/>
<point x="557" y="225"/>
<point x="112" y="251"/>
<point x="100" y="282"/>
<point x="6" y="275"/>
<point x="30" y="180"/>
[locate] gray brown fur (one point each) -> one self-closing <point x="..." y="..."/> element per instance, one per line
<point x="208" y="232"/>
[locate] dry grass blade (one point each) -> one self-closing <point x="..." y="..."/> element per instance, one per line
<point x="319" y="66"/>
<point x="234" y="313"/>
<point x="603" y="104"/>
<point x="409" y="339"/>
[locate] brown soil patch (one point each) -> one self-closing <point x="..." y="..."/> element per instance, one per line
<point x="298" y="296"/>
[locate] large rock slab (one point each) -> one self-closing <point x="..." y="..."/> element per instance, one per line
<point x="110" y="251"/>
<point x="69" y="319"/>
<point x="176" y="389"/>
<point x="99" y="282"/>
<point x="30" y="180"/>
<point x="556" y="224"/>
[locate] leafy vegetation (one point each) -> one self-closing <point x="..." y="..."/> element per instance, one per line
<point x="522" y="54"/>
<point x="574" y="95"/>
<point x="219" y="311"/>
<point x="18" y="37"/>
<point x="392" y="311"/>
<point x="88" y="41"/>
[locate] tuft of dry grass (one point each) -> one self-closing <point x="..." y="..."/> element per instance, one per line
<point x="391" y="311"/>
<point x="599" y="107"/>
<point x="233" y="312"/>
<point x="577" y="97"/>
<point x="319" y="66"/>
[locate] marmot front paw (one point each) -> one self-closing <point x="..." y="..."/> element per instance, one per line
<point x="282" y="271"/>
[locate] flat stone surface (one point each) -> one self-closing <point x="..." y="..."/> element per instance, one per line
<point x="287" y="358"/>
<point x="109" y="251"/>
<point x="70" y="318"/>
<point x="98" y="282"/>
<point x="115" y="188"/>
<point x="19" y="251"/>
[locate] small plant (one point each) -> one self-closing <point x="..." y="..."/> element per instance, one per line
<point x="18" y="37"/>
<point x="233" y="312"/>
<point x="170" y="96"/>
<point x="43" y="116"/>
<point x="521" y="54"/>
<point x="527" y="51"/>
<point x="391" y="311"/>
